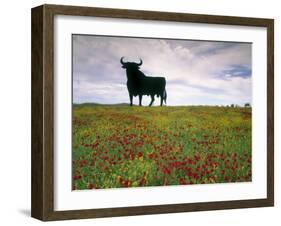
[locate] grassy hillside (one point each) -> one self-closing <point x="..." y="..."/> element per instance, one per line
<point x="122" y="146"/>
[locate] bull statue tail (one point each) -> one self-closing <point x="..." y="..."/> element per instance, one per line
<point x="165" y="96"/>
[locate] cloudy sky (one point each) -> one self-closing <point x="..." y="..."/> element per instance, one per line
<point x="197" y="72"/>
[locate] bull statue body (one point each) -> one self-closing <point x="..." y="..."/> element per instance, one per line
<point x="139" y="84"/>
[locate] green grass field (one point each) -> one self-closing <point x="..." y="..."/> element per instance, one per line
<point x="122" y="146"/>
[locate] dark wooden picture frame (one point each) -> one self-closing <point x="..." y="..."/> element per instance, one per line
<point x="42" y="203"/>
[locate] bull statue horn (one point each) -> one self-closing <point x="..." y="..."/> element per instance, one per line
<point x="139" y="64"/>
<point x="121" y="61"/>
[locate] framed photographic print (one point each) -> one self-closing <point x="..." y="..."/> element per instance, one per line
<point x="141" y="112"/>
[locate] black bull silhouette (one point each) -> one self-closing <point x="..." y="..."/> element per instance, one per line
<point x="139" y="84"/>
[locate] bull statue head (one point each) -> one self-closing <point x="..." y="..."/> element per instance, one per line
<point x="130" y="65"/>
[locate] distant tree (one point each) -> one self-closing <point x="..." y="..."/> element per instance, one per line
<point x="247" y="105"/>
<point x="232" y="105"/>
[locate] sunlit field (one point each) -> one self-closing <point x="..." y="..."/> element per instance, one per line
<point x="122" y="146"/>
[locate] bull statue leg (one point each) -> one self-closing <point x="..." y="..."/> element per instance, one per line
<point x="152" y="100"/>
<point x="131" y="99"/>
<point x="140" y="98"/>
<point x="161" y="101"/>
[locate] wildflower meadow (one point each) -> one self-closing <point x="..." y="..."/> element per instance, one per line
<point x="118" y="146"/>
